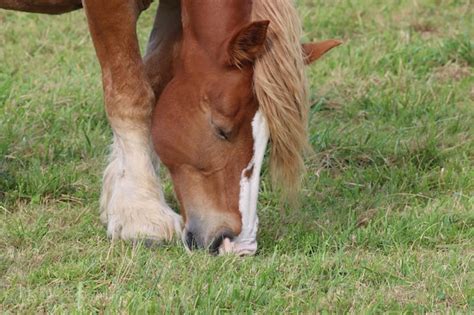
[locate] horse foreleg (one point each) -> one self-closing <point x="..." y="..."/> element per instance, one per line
<point x="163" y="45"/>
<point x="132" y="202"/>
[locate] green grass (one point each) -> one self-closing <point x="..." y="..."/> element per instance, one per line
<point x="386" y="222"/>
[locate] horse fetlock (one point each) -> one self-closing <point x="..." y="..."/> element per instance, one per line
<point x="132" y="211"/>
<point x="132" y="201"/>
<point x="149" y="220"/>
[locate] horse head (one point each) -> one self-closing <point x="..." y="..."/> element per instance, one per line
<point x="207" y="128"/>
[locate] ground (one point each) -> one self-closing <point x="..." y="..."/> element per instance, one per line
<point x="386" y="219"/>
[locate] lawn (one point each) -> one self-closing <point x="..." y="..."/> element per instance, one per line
<point x="386" y="220"/>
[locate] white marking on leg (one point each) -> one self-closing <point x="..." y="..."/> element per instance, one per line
<point x="246" y="242"/>
<point x="132" y="201"/>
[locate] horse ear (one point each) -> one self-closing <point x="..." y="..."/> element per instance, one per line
<point x="314" y="51"/>
<point x="247" y="43"/>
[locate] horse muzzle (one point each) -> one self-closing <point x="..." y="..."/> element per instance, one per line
<point x="194" y="241"/>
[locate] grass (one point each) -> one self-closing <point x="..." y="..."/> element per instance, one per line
<point x="386" y="222"/>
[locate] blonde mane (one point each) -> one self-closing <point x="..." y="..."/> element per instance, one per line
<point x="281" y="89"/>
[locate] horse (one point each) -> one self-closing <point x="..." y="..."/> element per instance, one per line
<point x="218" y="80"/>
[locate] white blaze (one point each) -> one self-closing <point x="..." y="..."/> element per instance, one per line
<point x="246" y="242"/>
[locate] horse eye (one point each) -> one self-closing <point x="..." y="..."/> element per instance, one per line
<point x="222" y="134"/>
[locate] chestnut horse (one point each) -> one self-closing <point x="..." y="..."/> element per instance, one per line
<point x="222" y="77"/>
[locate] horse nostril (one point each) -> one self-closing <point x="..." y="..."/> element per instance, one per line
<point x="217" y="242"/>
<point x="191" y="242"/>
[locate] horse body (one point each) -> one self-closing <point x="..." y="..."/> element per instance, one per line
<point x="42" y="6"/>
<point x="209" y="74"/>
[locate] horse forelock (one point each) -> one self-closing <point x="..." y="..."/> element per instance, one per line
<point x="281" y="89"/>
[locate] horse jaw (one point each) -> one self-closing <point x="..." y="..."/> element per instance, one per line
<point x="246" y="243"/>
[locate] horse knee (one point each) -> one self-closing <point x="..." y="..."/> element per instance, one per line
<point x="130" y="105"/>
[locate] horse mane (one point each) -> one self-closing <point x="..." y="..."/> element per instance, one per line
<point x="282" y="92"/>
